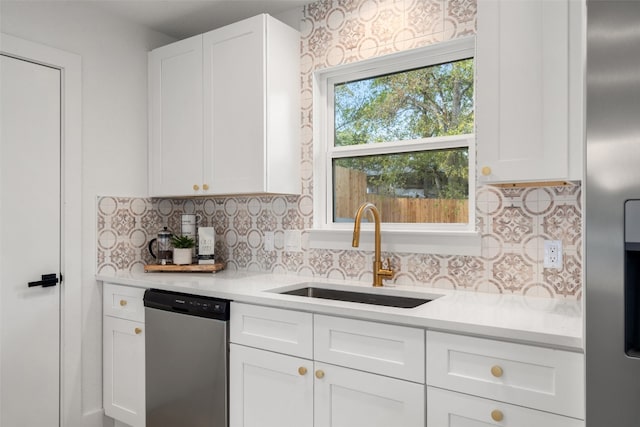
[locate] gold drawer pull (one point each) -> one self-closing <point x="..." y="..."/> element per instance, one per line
<point x="205" y="187"/>
<point x="123" y="302"/>
<point x="138" y="331"/>
<point x="319" y="374"/>
<point x="302" y="370"/>
<point x="196" y="187"/>
<point x="497" y="415"/>
<point x="496" y="371"/>
<point x="486" y="171"/>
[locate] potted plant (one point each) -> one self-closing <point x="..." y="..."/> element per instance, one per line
<point x="182" y="249"/>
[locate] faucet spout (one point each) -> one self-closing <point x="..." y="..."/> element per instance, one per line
<point x="379" y="272"/>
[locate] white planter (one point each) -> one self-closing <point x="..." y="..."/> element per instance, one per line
<point x="182" y="256"/>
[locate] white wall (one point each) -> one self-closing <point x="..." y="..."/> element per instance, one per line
<point x="114" y="134"/>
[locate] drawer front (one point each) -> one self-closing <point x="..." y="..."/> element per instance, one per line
<point x="540" y="378"/>
<point x="395" y="351"/>
<point x="450" y="409"/>
<point x="282" y="331"/>
<point x="124" y="302"/>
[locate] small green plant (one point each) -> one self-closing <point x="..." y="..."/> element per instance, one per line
<point x="182" y="242"/>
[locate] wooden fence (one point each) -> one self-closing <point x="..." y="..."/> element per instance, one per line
<point x="351" y="192"/>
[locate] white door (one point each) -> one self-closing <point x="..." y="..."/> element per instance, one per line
<point x="30" y="118"/>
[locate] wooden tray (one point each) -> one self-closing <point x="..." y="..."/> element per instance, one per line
<point x="192" y="268"/>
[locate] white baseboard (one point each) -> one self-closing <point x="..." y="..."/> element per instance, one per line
<point x="96" y="418"/>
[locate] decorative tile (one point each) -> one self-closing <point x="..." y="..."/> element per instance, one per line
<point x="423" y="267"/>
<point x="426" y="17"/>
<point x="242" y="222"/>
<point x="512" y="272"/>
<point x="465" y="270"/>
<point x="568" y="280"/>
<point x="513" y="222"/>
<point x="564" y="222"/>
<point x="512" y="225"/>
<point x="321" y="261"/>
<point x="352" y="263"/>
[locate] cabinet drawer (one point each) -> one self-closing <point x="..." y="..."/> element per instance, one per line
<point x="124" y="302"/>
<point x="395" y="351"/>
<point x="449" y="409"/>
<point x="282" y="331"/>
<point x="540" y="378"/>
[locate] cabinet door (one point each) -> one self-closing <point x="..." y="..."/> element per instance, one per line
<point x="349" y="398"/>
<point x="449" y="409"/>
<point x="175" y="100"/>
<point x="268" y="389"/>
<point x="234" y="107"/>
<point x="522" y="100"/>
<point x="123" y="370"/>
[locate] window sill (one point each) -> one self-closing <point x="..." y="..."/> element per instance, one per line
<point x="424" y="242"/>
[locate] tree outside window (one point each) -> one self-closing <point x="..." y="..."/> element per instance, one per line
<point x="400" y="140"/>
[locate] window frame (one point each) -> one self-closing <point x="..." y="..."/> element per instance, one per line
<point x="460" y="239"/>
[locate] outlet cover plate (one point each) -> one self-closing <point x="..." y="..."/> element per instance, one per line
<point x="553" y="254"/>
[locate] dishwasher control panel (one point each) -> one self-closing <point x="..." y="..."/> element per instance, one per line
<point x="193" y="305"/>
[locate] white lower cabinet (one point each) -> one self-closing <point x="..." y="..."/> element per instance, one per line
<point x="482" y="382"/>
<point x="351" y="398"/>
<point x="123" y="355"/>
<point x="269" y="389"/>
<point x="449" y="409"/>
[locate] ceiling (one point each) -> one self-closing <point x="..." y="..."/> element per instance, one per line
<point x="185" y="18"/>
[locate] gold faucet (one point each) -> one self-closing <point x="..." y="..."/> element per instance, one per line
<point x="379" y="272"/>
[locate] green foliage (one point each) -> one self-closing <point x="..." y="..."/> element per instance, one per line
<point x="182" y="242"/>
<point x="421" y="103"/>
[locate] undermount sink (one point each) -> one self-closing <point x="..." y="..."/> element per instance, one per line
<point x="310" y="291"/>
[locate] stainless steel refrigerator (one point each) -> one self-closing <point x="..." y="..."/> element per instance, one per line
<point x="612" y="214"/>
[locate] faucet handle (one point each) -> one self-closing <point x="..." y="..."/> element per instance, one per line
<point x="386" y="271"/>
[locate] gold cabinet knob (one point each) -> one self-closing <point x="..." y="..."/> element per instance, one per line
<point x="319" y="374"/>
<point x="138" y="331"/>
<point x="497" y="415"/>
<point x="302" y="370"/>
<point x="123" y="302"/>
<point x="496" y="371"/>
<point x="205" y="187"/>
<point x="486" y="171"/>
<point x="196" y="187"/>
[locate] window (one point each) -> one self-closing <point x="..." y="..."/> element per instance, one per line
<point x="397" y="131"/>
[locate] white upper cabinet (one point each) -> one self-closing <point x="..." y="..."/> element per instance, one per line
<point x="529" y="100"/>
<point x="175" y="114"/>
<point x="245" y="135"/>
<point x="252" y="107"/>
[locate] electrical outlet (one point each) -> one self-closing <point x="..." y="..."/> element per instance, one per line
<point x="292" y="240"/>
<point x="553" y="254"/>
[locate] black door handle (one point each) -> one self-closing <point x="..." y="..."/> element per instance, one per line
<point x="47" y="280"/>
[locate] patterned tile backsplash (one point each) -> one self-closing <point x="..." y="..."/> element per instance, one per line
<point x="513" y="222"/>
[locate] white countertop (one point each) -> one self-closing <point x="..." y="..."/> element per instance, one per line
<point x="545" y="321"/>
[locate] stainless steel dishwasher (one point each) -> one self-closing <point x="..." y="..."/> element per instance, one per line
<point x="186" y="347"/>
